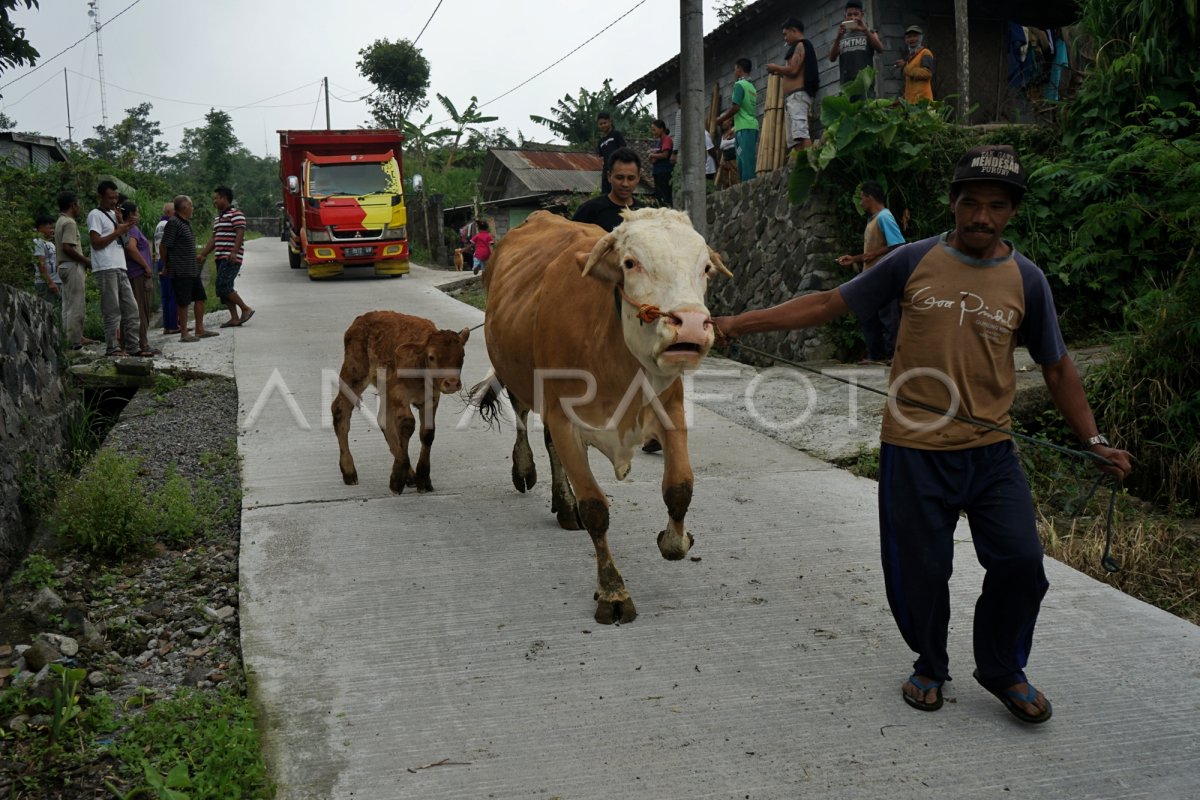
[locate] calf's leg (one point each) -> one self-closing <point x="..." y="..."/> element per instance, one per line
<point x="398" y="429"/>
<point x="428" y="412"/>
<point x="675" y="541"/>
<point x="353" y="380"/>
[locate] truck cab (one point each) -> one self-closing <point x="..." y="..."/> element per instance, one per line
<point x="344" y="200"/>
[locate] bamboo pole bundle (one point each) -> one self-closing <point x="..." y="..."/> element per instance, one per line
<point x="772" y="141"/>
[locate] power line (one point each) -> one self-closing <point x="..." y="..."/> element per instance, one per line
<point x="426" y="25"/>
<point x="316" y="108"/>
<point x="247" y="105"/>
<point x="591" y="39"/>
<point x="190" y="102"/>
<point x="31" y="91"/>
<point x="97" y="29"/>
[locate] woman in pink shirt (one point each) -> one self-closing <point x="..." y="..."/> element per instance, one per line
<point x="483" y="248"/>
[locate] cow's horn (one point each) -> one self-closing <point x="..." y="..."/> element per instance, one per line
<point x="718" y="263"/>
<point x="599" y="251"/>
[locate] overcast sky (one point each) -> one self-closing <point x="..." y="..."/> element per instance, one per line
<point x="185" y="57"/>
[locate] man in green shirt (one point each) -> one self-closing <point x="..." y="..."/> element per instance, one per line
<point x="744" y="113"/>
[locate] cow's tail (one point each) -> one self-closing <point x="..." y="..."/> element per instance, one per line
<point x="485" y="396"/>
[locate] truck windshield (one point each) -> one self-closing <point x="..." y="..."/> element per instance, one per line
<point x="350" y="179"/>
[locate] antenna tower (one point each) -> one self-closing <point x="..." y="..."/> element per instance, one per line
<point x="94" y="13"/>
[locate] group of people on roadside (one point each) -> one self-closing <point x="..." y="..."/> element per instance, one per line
<point x="123" y="262"/>
<point x="855" y="45"/>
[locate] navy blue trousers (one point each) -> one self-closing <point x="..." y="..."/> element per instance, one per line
<point x="921" y="493"/>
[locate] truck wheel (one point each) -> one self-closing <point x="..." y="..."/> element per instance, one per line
<point x="294" y="260"/>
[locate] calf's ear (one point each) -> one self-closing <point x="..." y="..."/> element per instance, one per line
<point x="715" y="257"/>
<point x="601" y="263"/>
<point x="463" y="335"/>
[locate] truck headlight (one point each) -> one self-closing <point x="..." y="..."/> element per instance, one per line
<point x="396" y="233"/>
<point x="318" y="235"/>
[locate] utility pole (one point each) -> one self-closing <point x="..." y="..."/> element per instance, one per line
<point x="327" y="125"/>
<point x="94" y="13"/>
<point x="691" y="95"/>
<point x="67" y="92"/>
<point x="963" y="35"/>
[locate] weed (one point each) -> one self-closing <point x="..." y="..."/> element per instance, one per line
<point x="178" y="517"/>
<point x="106" y="511"/>
<point x="214" y="732"/>
<point x="864" y="463"/>
<point x="166" y="382"/>
<point x="37" y="572"/>
<point x="64" y="705"/>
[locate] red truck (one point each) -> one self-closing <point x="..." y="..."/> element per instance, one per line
<point x="343" y="196"/>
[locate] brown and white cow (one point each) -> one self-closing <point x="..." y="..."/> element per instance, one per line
<point x="590" y="330"/>
<point x="411" y="364"/>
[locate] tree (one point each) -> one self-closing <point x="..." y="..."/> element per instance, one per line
<point x="218" y="146"/>
<point x="400" y="74"/>
<point x="468" y="119"/>
<point x="420" y="139"/>
<point x="15" y="49"/>
<point x="574" y="118"/>
<point x="7" y="123"/>
<point x="133" y="143"/>
<point x="728" y="9"/>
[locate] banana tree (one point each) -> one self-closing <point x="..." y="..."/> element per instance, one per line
<point x="421" y="139"/>
<point x="469" y="119"/>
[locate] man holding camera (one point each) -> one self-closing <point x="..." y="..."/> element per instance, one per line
<point x="118" y="306"/>
<point x="855" y="45"/>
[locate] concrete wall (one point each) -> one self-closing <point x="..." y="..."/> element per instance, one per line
<point x="35" y="407"/>
<point x="775" y="251"/>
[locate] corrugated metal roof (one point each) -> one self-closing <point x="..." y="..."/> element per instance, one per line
<point x="541" y="171"/>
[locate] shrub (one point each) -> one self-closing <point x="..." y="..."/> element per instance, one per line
<point x="106" y="511"/>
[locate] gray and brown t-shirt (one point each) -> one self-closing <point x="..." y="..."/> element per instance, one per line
<point x="960" y="321"/>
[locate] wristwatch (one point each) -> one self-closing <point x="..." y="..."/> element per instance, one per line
<point x="1099" y="438"/>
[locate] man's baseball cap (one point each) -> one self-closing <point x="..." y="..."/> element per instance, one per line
<point x="990" y="162"/>
<point x="914" y="29"/>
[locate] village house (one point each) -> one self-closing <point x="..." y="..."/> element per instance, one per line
<point x="995" y="31"/>
<point x="23" y="150"/>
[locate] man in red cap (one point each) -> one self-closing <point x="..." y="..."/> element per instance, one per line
<point x="966" y="296"/>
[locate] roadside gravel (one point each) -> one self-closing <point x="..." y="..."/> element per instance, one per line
<point x="144" y="627"/>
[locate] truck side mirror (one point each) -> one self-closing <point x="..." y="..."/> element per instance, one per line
<point x="293" y="184"/>
<point x="418" y="183"/>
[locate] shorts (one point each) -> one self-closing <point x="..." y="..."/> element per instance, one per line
<point x="478" y="264"/>
<point x="797" y="105"/>
<point x="189" y="290"/>
<point x="227" y="272"/>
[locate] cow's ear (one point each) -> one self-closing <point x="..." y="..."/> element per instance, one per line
<point x="715" y="257"/>
<point x="463" y="335"/>
<point x="602" y="261"/>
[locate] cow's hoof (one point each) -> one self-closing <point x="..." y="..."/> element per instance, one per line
<point x="609" y="612"/>
<point x="568" y="518"/>
<point x="397" y="486"/>
<point x="410" y="479"/>
<point x="424" y="485"/>
<point x="350" y="478"/>
<point x="674" y="551"/>
<point x="523" y="481"/>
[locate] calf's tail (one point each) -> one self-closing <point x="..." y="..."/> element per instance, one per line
<point x="485" y="396"/>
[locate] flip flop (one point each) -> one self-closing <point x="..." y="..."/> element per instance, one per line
<point x="246" y="317"/>
<point x="1009" y="697"/>
<point x="924" y="686"/>
<point x="230" y="324"/>
<point x="208" y="334"/>
<point x="189" y="338"/>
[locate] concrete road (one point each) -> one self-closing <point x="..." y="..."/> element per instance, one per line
<point x="442" y="645"/>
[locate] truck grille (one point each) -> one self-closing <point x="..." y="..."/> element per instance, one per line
<point x="359" y="236"/>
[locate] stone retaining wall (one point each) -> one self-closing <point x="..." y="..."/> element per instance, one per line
<point x="36" y="407"/>
<point x="775" y="251"/>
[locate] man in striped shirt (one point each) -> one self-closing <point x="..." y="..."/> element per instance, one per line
<point x="229" y="233"/>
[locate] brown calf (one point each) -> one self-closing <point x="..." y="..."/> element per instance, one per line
<point x="411" y="364"/>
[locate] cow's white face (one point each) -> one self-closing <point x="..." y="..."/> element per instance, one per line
<point x="657" y="259"/>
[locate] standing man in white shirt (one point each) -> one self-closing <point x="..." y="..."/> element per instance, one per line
<point x="118" y="306"/>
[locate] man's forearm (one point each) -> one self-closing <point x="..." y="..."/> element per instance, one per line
<point x="1066" y="389"/>
<point x="806" y="311"/>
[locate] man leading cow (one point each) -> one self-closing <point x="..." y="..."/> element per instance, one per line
<point x="966" y="296"/>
